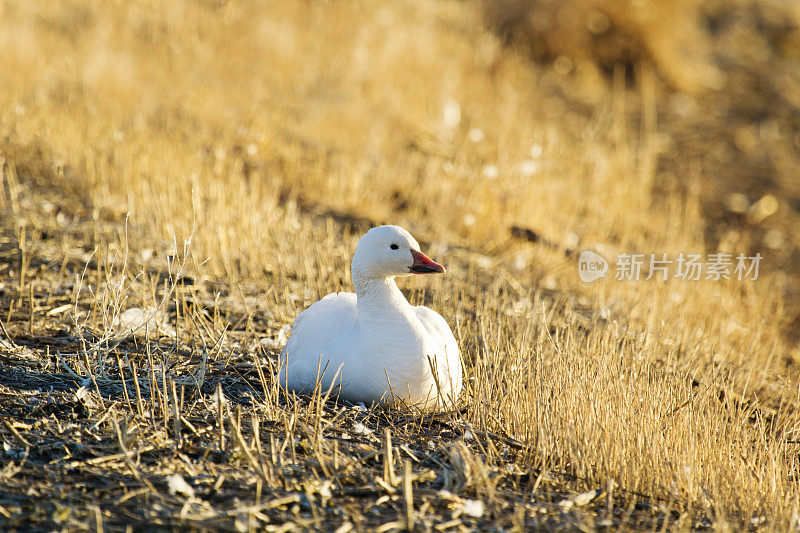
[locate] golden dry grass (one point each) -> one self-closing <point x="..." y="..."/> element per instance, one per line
<point x="257" y="129"/>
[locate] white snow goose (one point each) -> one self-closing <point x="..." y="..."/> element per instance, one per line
<point x="373" y="346"/>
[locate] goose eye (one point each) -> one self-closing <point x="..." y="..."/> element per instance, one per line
<point x="394" y="247"/>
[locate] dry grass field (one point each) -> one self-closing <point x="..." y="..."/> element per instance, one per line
<point x="214" y="163"/>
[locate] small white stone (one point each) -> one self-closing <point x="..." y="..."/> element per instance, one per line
<point x="139" y="322"/>
<point x="178" y="485"/>
<point x="280" y="339"/>
<point x="585" y="498"/>
<point x="473" y="508"/>
<point x="361" y="429"/>
<point x="490" y="172"/>
<point x="268" y="343"/>
<point x="216" y="398"/>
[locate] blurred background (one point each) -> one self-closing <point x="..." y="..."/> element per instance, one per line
<point x="725" y="82"/>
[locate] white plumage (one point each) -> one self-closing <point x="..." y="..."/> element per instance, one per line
<point x="373" y="346"/>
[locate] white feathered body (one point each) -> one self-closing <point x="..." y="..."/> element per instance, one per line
<point x="401" y="352"/>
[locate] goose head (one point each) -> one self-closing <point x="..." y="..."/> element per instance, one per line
<point x="390" y="251"/>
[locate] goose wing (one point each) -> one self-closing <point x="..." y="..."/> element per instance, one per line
<point x="318" y="334"/>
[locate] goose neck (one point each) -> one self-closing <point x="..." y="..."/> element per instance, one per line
<point x="379" y="298"/>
